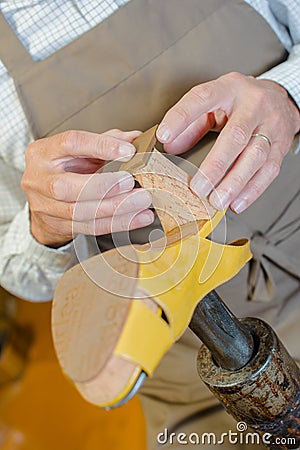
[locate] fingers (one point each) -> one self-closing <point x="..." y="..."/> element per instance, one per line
<point x="66" y="230"/>
<point x="56" y="222"/>
<point x="124" y="222"/>
<point x="85" y="144"/>
<point x="221" y="189"/>
<point x="128" y="136"/>
<point x="134" y="201"/>
<point x="248" y="178"/>
<point x="256" y="186"/>
<point x="193" y="133"/>
<point x="62" y="171"/>
<point x="201" y="99"/>
<point x="238" y="166"/>
<point x="70" y="187"/>
<point x="242" y="171"/>
<point x="231" y="142"/>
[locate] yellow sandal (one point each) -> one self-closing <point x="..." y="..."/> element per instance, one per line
<point x="115" y="315"/>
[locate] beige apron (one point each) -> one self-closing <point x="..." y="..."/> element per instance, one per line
<point x="125" y="73"/>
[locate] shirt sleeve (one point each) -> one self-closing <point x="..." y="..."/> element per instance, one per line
<point x="284" y="18"/>
<point x="287" y="75"/>
<point x="27" y="269"/>
<point x="30" y="270"/>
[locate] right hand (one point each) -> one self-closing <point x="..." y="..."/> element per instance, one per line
<point x="57" y="170"/>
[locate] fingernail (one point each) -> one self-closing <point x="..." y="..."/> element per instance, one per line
<point x="219" y="199"/>
<point x="239" y="205"/>
<point x="201" y="185"/>
<point x="142" y="200"/>
<point x="126" y="183"/>
<point x="126" y="151"/>
<point x="145" y="218"/>
<point x="163" y="133"/>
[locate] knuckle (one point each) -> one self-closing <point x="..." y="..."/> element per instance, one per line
<point x="124" y="222"/>
<point x="130" y="202"/>
<point x="217" y="167"/>
<point x="113" y="206"/>
<point x="273" y="169"/>
<point x="89" y="228"/>
<point x="277" y="119"/>
<point x="238" y="181"/>
<point x="36" y="152"/>
<point x="125" y="203"/>
<point x="72" y="211"/>
<point x="240" y="134"/>
<point x="234" y="76"/>
<point x="104" y="208"/>
<point x="106" y="145"/>
<point x="256" y="189"/>
<point x="31" y="149"/>
<point x="115" y="131"/>
<point x="102" y="226"/>
<point x="57" y="187"/>
<point x="259" y="153"/>
<point x="106" y="185"/>
<point x="69" y="139"/>
<point x="182" y="114"/>
<point x="25" y="182"/>
<point x="202" y="93"/>
<point x="261" y="96"/>
<point x="258" y="95"/>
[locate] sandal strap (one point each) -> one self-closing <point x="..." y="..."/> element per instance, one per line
<point x="146" y="337"/>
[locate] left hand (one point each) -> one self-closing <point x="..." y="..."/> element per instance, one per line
<point x="240" y="165"/>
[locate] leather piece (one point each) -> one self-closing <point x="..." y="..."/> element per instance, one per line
<point x="198" y="266"/>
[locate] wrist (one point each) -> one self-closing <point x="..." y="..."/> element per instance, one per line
<point x="294" y="110"/>
<point x="41" y="233"/>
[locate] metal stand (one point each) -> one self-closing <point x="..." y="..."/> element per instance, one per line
<point x="249" y="370"/>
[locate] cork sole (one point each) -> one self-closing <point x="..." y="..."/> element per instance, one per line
<point x="87" y="322"/>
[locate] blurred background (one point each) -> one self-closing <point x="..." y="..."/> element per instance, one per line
<point x="39" y="408"/>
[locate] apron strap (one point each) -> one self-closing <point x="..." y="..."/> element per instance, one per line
<point x="12" y="53"/>
<point x="265" y="253"/>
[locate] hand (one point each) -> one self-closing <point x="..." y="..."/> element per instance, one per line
<point x="240" y="165"/>
<point x="57" y="170"/>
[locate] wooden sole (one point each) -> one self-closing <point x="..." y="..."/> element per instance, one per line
<point x="87" y="321"/>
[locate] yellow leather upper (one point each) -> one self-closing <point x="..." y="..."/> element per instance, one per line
<point x="146" y="337"/>
<point x="176" y="278"/>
